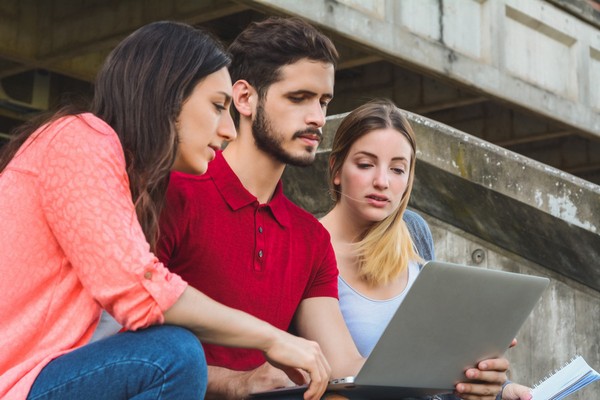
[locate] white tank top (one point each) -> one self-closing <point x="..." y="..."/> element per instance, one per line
<point x="366" y="318"/>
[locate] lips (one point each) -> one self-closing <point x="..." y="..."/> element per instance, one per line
<point x="213" y="154"/>
<point x="377" y="200"/>
<point x="377" y="197"/>
<point x="312" y="135"/>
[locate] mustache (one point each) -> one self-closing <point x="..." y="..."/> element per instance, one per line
<point x="309" y="131"/>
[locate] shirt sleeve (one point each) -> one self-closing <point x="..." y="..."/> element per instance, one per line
<point x="325" y="282"/>
<point x="87" y="202"/>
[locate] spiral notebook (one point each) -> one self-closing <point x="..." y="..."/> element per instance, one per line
<point x="565" y="381"/>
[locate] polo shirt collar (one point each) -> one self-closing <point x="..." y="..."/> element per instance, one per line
<point x="237" y="196"/>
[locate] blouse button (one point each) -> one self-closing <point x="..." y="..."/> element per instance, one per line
<point x="260" y="253"/>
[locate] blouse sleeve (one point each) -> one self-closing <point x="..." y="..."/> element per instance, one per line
<point x="87" y="202"/>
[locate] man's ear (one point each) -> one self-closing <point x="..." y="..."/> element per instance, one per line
<point x="244" y="97"/>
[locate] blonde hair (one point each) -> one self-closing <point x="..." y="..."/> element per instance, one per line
<point x="385" y="249"/>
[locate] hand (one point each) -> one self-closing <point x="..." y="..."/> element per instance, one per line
<point x="514" y="391"/>
<point x="293" y="355"/>
<point x="263" y="378"/>
<point x="226" y="384"/>
<point x="491" y="374"/>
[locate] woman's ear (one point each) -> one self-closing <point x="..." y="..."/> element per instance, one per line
<point x="244" y="97"/>
<point x="336" y="177"/>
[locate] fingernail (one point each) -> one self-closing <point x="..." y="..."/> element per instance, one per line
<point x="460" y="387"/>
<point x="483" y="365"/>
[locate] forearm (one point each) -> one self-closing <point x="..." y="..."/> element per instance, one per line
<point x="225" y="384"/>
<point x="213" y="322"/>
<point x="321" y="320"/>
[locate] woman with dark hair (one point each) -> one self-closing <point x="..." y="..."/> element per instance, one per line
<point x="80" y="198"/>
<point x="379" y="244"/>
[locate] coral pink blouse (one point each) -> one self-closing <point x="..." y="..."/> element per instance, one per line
<point x="70" y="245"/>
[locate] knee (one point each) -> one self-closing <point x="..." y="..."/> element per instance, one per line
<point x="186" y="356"/>
<point x="184" y="346"/>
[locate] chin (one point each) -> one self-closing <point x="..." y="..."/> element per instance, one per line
<point x="198" y="169"/>
<point x="376" y="217"/>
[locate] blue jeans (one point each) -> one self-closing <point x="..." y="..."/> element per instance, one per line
<point x="161" y="362"/>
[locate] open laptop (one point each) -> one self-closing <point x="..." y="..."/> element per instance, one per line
<point x="452" y="317"/>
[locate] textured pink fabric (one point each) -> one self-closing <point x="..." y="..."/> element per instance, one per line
<point x="70" y="243"/>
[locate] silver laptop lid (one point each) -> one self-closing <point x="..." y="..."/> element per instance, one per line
<point x="452" y="317"/>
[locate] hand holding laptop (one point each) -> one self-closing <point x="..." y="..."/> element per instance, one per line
<point x="489" y="372"/>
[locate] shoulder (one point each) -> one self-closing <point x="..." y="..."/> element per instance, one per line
<point x="420" y="234"/>
<point x="185" y="187"/>
<point x="415" y="222"/>
<point x="82" y="132"/>
<point x="304" y="221"/>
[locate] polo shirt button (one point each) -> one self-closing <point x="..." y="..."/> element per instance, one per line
<point x="260" y="253"/>
<point x="260" y="229"/>
<point x="148" y="275"/>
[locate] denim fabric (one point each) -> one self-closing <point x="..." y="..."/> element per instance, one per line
<point x="161" y="362"/>
<point x="420" y="234"/>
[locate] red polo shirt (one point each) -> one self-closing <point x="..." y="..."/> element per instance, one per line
<point x="263" y="259"/>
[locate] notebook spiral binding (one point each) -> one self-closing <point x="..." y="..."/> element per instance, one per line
<point x="549" y="375"/>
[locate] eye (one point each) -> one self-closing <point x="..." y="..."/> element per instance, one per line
<point x="398" y="170"/>
<point x="364" y="165"/>
<point x="220" y="107"/>
<point x="296" y="99"/>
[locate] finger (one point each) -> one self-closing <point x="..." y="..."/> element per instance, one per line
<point x="513" y="343"/>
<point x="477" y="390"/>
<point x="318" y="378"/>
<point x="296" y="375"/>
<point x="514" y="391"/>
<point x="494" y="377"/>
<point x="494" y="364"/>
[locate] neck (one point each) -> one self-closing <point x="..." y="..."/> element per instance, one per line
<point x="342" y="227"/>
<point x="259" y="172"/>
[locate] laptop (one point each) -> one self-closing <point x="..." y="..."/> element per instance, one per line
<point x="452" y="317"/>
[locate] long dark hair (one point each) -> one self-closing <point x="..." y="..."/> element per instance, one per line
<point x="139" y="92"/>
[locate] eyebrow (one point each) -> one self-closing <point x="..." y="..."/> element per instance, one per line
<point x="228" y="97"/>
<point x="328" y="96"/>
<point x="366" y="153"/>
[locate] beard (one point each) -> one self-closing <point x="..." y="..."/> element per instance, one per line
<point x="271" y="142"/>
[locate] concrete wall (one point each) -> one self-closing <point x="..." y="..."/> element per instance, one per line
<point x="529" y="53"/>
<point x="495" y="209"/>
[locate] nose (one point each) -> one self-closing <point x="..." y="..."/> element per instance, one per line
<point x="381" y="180"/>
<point x="226" y="128"/>
<point x="316" y="115"/>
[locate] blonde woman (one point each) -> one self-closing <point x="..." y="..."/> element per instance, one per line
<point x="379" y="244"/>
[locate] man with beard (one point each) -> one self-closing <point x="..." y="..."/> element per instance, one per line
<point x="234" y="235"/>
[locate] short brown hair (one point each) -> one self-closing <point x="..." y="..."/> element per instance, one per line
<point x="263" y="48"/>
